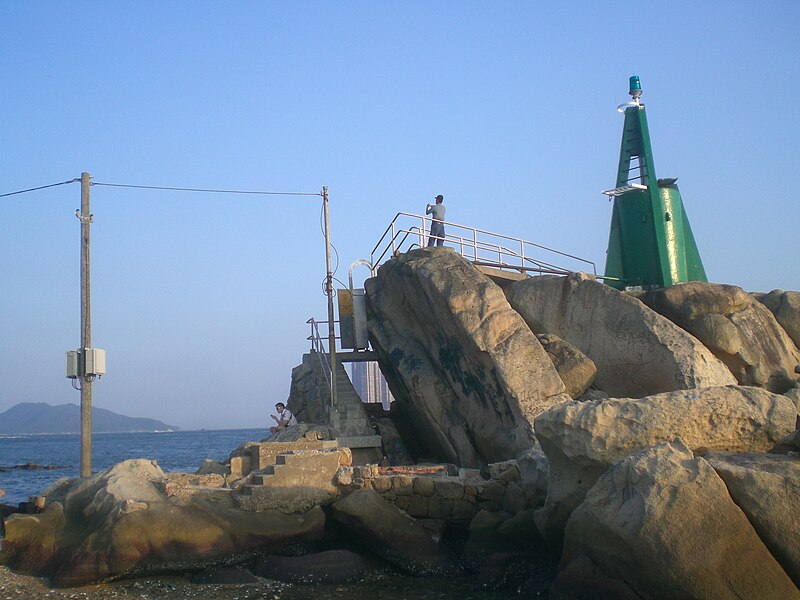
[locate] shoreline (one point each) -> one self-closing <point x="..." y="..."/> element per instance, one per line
<point x="15" y="586"/>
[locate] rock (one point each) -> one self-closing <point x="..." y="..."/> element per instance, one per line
<point x="392" y="534"/>
<point x="120" y="522"/>
<point x="637" y="352"/>
<point x="331" y="566"/>
<point x="212" y="467"/>
<point x="309" y="399"/>
<point x="465" y="367"/>
<point x="581" y="579"/>
<point x="740" y="331"/>
<point x="392" y="443"/>
<point x="786" y="308"/>
<point x="576" y="370"/>
<point x="767" y="489"/>
<point x="2" y="492"/>
<point x="583" y="439"/>
<point x="788" y="445"/>
<point x="661" y="521"/>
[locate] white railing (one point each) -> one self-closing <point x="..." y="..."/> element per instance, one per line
<point x="407" y="231"/>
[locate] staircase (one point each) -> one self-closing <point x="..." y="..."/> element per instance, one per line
<point x="350" y="419"/>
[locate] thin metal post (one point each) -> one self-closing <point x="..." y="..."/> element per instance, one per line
<point x="329" y="292"/>
<point x="86" y="330"/>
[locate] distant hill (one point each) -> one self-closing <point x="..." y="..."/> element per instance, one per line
<point x="40" y="417"/>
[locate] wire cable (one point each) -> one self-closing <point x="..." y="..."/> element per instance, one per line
<point x="206" y="190"/>
<point x="41" y="187"/>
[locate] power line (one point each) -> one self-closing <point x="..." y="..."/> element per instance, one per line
<point x="213" y="191"/>
<point x="41" y="187"/>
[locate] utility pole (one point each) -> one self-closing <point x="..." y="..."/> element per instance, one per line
<point x="329" y="292"/>
<point x="86" y="330"/>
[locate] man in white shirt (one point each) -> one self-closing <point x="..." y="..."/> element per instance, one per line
<point x="284" y="418"/>
<point x="437" y="221"/>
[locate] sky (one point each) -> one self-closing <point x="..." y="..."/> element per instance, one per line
<point x="508" y="109"/>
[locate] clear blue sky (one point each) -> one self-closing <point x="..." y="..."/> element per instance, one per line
<point x="508" y="109"/>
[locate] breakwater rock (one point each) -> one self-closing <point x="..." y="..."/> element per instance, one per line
<point x="571" y="441"/>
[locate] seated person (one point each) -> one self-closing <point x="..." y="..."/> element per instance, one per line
<point x="284" y="418"/>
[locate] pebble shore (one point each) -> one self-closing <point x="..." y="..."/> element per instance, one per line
<point x="14" y="586"/>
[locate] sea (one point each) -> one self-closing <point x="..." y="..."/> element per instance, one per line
<point x="184" y="451"/>
<point x="60" y="454"/>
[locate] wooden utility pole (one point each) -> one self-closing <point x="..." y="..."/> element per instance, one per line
<point x="329" y="292"/>
<point x="86" y="331"/>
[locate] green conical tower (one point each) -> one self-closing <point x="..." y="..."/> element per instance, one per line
<point x="651" y="242"/>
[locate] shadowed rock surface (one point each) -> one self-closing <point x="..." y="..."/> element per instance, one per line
<point x="786" y="308"/>
<point x="392" y="534"/>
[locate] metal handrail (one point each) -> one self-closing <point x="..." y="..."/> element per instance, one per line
<point x="318" y="347"/>
<point x="476" y="242"/>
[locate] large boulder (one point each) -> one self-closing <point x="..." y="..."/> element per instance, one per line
<point x="583" y="439"/>
<point x="740" y="331"/>
<point x="786" y="308"/>
<point x="767" y="489"/>
<point x="465" y="366"/>
<point x="122" y="522"/>
<point x="637" y="351"/>
<point x="391" y="533"/>
<point x="662" y="521"/>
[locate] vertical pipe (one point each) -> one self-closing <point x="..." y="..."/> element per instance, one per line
<point x="86" y="330"/>
<point x="329" y="292"/>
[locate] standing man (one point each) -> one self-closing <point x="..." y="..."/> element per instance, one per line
<point x="437" y="221"/>
<point x="283" y="419"/>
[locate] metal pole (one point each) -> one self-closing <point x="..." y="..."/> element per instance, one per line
<point x="86" y="331"/>
<point x="329" y="292"/>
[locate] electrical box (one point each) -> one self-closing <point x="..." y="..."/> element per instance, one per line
<point x="94" y="362"/>
<point x="71" y="365"/>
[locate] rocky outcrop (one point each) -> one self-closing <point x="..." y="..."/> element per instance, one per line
<point x="576" y="370"/>
<point x="122" y="522"/>
<point x="392" y="534"/>
<point x="308" y="400"/>
<point x="637" y="351"/>
<point x="767" y="489"/>
<point x="583" y="439"/>
<point x="786" y="308"/>
<point x="469" y="371"/>
<point x="740" y="331"/>
<point x="662" y="523"/>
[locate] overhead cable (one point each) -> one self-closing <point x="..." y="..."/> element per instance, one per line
<point x="41" y="187"/>
<point x="213" y="191"/>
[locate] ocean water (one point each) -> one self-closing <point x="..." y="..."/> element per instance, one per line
<point x="173" y="450"/>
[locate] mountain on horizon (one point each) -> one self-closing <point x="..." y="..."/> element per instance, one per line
<point x="40" y="417"/>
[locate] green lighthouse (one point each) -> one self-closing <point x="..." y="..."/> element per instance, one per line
<point x="650" y="243"/>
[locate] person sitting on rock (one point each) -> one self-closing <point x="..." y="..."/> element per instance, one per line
<point x="284" y="418"/>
